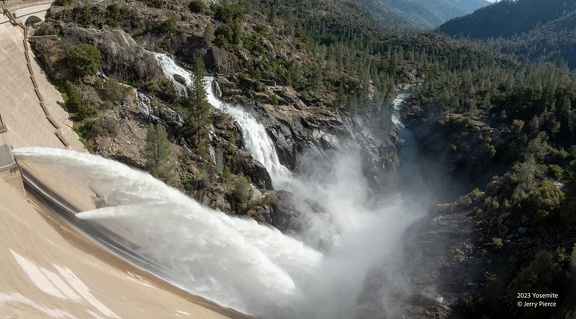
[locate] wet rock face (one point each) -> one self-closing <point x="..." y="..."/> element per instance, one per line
<point x="258" y="174"/>
<point x="239" y="160"/>
<point x="287" y="212"/>
<point x="296" y="128"/>
<point x="285" y="216"/>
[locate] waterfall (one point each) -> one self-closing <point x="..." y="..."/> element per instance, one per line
<point x="408" y="155"/>
<point x="144" y="102"/>
<point x="170" y="69"/>
<point x="396" y="116"/>
<point x="356" y="270"/>
<point x="256" y="139"/>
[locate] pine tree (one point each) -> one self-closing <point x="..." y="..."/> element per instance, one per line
<point x="209" y="35"/>
<point x="157" y="153"/>
<point x="198" y="110"/>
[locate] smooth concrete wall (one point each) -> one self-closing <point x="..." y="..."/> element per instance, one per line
<point x="23" y="10"/>
<point x="48" y="271"/>
<point x="19" y="104"/>
<point x="4" y="22"/>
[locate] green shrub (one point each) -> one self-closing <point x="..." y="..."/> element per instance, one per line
<point x="112" y="90"/>
<point x="497" y="242"/>
<point x="105" y="126"/>
<point x="154" y="3"/>
<point x="162" y="88"/>
<point x="157" y="153"/>
<point x="116" y="14"/>
<point x="84" y="59"/>
<point x="168" y="26"/>
<point x="75" y="103"/>
<point x="242" y="191"/>
<point x="62" y="2"/>
<point x="543" y="200"/>
<point x="87" y="15"/>
<point x="209" y="34"/>
<point x="228" y="13"/>
<point x="475" y="193"/>
<point x="197" y="6"/>
<point x="46" y="29"/>
<point x="555" y="171"/>
<point x="232" y="138"/>
<point x="228" y="33"/>
<point x="226" y="172"/>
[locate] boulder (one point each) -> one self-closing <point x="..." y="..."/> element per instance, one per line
<point x="244" y="163"/>
<point x="121" y="55"/>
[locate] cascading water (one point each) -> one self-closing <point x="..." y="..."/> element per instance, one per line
<point x="144" y="104"/>
<point x="258" y="143"/>
<point x="409" y="156"/>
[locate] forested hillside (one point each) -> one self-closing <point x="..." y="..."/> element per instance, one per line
<point x="327" y="58"/>
<point x="529" y="29"/>
<point x="515" y="124"/>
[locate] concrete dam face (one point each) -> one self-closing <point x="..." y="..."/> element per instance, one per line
<point x="50" y="269"/>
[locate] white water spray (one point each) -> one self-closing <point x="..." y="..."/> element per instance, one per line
<point x="235" y="262"/>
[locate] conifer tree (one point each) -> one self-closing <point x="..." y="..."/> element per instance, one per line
<point x="157" y="153"/>
<point x="198" y="110"/>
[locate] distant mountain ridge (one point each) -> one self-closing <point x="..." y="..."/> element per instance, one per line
<point x="427" y="14"/>
<point x="546" y="31"/>
<point x="502" y="19"/>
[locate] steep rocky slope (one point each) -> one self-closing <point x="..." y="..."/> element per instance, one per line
<point x="297" y="119"/>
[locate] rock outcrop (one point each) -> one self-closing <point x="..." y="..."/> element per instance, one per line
<point x="459" y="147"/>
<point x="297" y="128"/>
<point x="298" y="122"/>
<point x="122" y="56"/>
